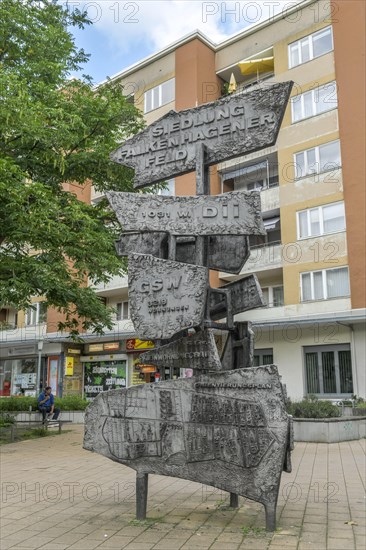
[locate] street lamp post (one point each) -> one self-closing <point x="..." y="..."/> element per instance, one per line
<point x="40" y="348"/>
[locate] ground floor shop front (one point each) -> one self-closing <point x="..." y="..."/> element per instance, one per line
<point x="325" y="359"/>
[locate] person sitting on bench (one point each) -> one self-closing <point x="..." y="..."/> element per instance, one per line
<point x="46" y="405"/>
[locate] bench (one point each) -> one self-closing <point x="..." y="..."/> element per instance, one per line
<point x="56" y="424"/>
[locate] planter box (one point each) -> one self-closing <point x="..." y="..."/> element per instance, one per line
<point x="76" y="417"/>
<point x="329" y="430"/>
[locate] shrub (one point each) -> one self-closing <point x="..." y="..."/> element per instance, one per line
<point x="71" y="403"/>
<point x="17" y="403"/>
<point x="67" y="403"/>
<point x="313" y="408"/>
<point x="6" y="419"/>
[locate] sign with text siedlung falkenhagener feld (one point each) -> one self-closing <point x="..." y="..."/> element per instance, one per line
<point x="229" y="127"/>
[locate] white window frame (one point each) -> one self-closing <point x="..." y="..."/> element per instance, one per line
<point x="318" y="350"/>
<point x="321" y="221"/>
<point x="262" y="352"/>
<point x="324" y="284"/>
<point x="314" y="102"/>
<point x="319" y="169"/>
<point x="32" y="315"/>
<point x="270" y="295"/>
<point x="310" y="38"/>
<point x="150" y="92"/>
<point x="123" y="305"/>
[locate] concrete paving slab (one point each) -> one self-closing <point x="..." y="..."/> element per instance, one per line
<point x="61" y="497"/>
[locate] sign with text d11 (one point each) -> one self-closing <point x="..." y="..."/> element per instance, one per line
<point x="165" y="297"/>
<point x="230" y="127"/>
<point x="234" y="213"/>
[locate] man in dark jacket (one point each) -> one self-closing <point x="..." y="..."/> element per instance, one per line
<point x="46" y="404"/>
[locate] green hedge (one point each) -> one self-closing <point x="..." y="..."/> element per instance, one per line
<point x="6" y="419"/>
<point x="313" y="408"/>
<point x="68" y="403"/>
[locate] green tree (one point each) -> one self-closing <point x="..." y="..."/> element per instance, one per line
<point x="55" y="129"/>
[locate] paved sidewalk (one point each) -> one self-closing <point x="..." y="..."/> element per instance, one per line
<point x="55" y="496"/>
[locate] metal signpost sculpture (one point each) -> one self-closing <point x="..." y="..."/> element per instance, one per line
<point x="227" y="425"/>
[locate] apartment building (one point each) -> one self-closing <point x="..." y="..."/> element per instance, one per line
<point x="311" y="263"/>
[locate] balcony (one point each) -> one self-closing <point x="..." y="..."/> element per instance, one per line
<point x="114" y="287"/>
<point x="270" y="198"/>
<point x="266" y="258"/>
<point x="96" y="195"/>
<point x="249" y="73"/>
<point x="254" y="174"/>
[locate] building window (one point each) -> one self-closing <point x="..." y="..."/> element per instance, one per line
<point x="159" y="95"/>
<point x="170" y="188"/>
<point x="310" y="47"/>
<point x="324" y="284"/>
<point x="328" y="370"/>
<point x="314" y="102"/>
<point x="318" y="159"/>
<point x="253" y="177"/>
<point x="273" y="296"/>
<point x="262" y="357"/>
<point x="122" y="311"/>
<point x="321" y="220"/>
<point x="36" y="314"/>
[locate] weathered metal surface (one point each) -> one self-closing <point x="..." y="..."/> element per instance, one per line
<point x="238" y="351"/>
<point x="230" y="127"/>
<point x="228" y="430"/>
<point x="228" y="214"/>
<point x="197" y="351"/>
<point x="224" y="252"/>
<point x="244" y="294"/>
<point x="155" y="244"/>
<point x="165" y="297"/>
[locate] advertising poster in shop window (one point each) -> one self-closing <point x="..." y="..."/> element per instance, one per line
<point x="102" y="376"/>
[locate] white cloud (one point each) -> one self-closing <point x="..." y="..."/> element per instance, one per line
<point x="130" y="25"/>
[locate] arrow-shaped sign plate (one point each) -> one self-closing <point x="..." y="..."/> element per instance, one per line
<point x="224" y="252"/>
<point x="230" y="127"/>
<point x="245" y="294"/>
<point x="165" y="297"/>
<point x="233" y="213"/>
<point x="197" y="351"/>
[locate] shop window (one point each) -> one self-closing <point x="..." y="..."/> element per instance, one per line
<point x="328" y="370"/>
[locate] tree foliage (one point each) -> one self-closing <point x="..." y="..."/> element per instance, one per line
<point x="55" y="129"/>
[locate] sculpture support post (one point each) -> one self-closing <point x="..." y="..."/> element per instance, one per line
<point x="141" y="495"/>
<point x="234" y="500"/>
<point x="202" y="188"/>
<point x="270" y="516"/>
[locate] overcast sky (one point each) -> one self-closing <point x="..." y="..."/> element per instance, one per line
<point x="125" y="32"/>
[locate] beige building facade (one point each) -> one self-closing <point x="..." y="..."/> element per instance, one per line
<point x="311" y="264"/>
